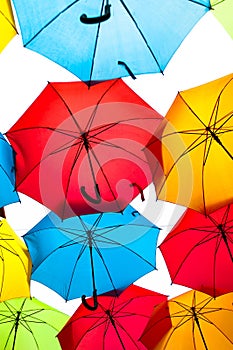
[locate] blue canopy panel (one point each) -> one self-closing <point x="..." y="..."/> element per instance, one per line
<point x="122" y="248"/>
<point x="137" y="37"/>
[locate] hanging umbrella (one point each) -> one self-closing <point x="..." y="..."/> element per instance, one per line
<point x="79" y="149"/>
<point x="199" y="322"/>
<point x="8" y="193"/>
<point x="27" y="323"/>
<point x="7" y="24"/>
<point x="196" y="166"/>
<point x="15" y="267"/>
<point x="116" y="324"/>
<point x="203" y="247"/>
<point x="110" y="38"/>
<point x="92" y="254"/>
<point x="223" y="11"/>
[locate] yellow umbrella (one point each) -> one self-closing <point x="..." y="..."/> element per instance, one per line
<point x="197" y="322"/>
<point x="15" y="264"/>
<point x="196" y="165"/>
<point x="7" y="23"/>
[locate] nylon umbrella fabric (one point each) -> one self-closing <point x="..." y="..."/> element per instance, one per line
<point x="79" y="149"/>
<point x="203" y="249"/>
<point x="7" y="24"/>
<point x="8" y="194"/>
<point x="89" y="39"/>
<point x="199" y="322"/>
<point x="116" y="324"/>
<point x="15" y="266"/>
<point x="194" y="164"/>
<point x="223" y="11"/>
<point x="92" y="254"/>
<point x="27" y="323"/>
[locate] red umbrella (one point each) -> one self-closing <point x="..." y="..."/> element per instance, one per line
<point x="199" y="251"/>
<point x="79" y="149"/>
<point x="116" y="324"/>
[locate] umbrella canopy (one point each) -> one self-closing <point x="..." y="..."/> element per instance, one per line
<point x="108" y="39"/>
<point x="92" y="254"/>
<point x="116" y="324"/>
<point x="7" y="23"/>
<point x="27" y="323"/>
<point x="79" y="149"/>
<point x="199" y="322"/>
<point x="196" y="165"/>
<point x="223" y="11"/>
<point x="203" y="247"/>
<point x="8" y="193"/>
<point x="15" y="266"/>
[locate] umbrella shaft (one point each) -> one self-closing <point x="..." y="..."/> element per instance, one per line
<point x="16" y="328"/>
<point x="200" y="330"/>
<point x="116" y="330"/>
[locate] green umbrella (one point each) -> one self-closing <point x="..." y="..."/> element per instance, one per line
<point x="29" y="324"/>
<point x="223" y="11"/>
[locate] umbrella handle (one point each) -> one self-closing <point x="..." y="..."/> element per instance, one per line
<point x="96" y="200"/>
<point x="94" y="20"/>
<point x="134" y="184"/>
<point x="85" y="303"/>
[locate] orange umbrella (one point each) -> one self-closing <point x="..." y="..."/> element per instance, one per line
<point x="199" y="322"/>
<point x="7" y="24"/>
<point x="196" y="166"/>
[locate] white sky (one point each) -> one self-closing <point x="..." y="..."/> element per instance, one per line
<point x="206" y="54"/>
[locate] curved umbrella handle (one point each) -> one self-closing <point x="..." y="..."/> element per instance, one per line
<point x="134" y="184"/>
<point x="96" y="200"/>
<point x="94" y="20"/>
<point x="85" y="303"/>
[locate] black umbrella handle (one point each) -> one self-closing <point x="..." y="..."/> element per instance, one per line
<point x="96" y="200"/>
<point x="94" y="20"/>
<point x="95" y="304"/>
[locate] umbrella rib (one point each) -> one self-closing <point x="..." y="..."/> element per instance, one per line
<point x="105" y="266"/>
<point x="93" y="114"/>
<point x="56" y="130"/>
<point x="51" y="21"/>
<point x="95" y="47"/>
<point x="112" y="145"/>
<point x="8" y="178"/>
<point x="202" y="241"/>
<point x="198" y="3"/>
<point x="117" y="243"/>
<point x="65" y="103"/>
<point x="191" y="110"/>
<point x="3" y="272"/>
<point x="8" y="20"/>
<point x="125" y="121"/>
<point x="142" y="35"/>
<point x="128" y="334"/>
<point x="78" y="152"/>
<point x="41" y="160"/>
<point x="190" y="148"/>
<point x="206" y="319"/>
<point x="84" y="246"/>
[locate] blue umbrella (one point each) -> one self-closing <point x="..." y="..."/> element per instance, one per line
<point x="102" y="40"/>
<point x="92" y="254"/>
<point x="8" y="194"/>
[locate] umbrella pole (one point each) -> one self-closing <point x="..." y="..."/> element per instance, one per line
<point x="95" y="305"/>
<point x="16" y="328"/>
<point x="199" y="327"/>
<point x="111" y="319"/>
